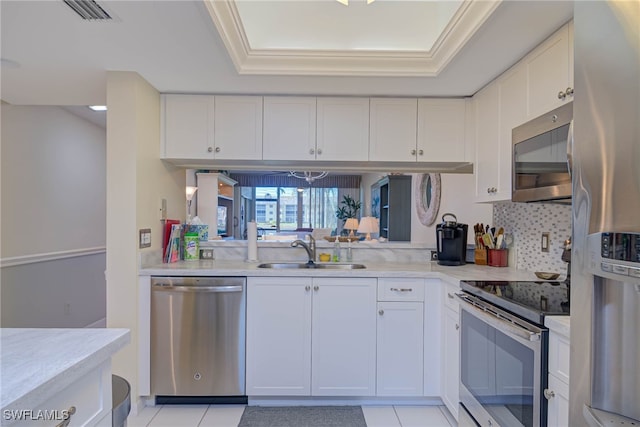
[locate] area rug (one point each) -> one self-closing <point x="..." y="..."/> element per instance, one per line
<point x="302" y="416"/>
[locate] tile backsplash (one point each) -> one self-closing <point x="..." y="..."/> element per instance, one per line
<point x="527" y="222"/>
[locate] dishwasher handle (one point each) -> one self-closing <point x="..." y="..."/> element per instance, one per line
<point x="187" y="288"/>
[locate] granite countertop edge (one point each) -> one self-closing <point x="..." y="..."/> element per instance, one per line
<point x="27" y="390"/>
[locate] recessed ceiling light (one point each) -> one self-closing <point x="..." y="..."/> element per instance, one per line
<point x="98" y="107"/>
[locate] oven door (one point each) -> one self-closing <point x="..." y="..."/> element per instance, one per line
<point x="503" y="366"/>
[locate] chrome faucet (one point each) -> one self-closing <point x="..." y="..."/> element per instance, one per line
<point x="310" y="247"/>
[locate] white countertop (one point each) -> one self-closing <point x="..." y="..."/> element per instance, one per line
<point x="35" y="364"/>
<point x="558" y="324"/>
<point x="377" y="269"/>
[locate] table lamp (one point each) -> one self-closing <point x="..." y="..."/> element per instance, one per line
<point x="368" y="225"/>
<point x="351" y="224"/>
<point x="189" y="191"/>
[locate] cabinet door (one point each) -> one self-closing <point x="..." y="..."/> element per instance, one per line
<point x="548" y="74"/>
<point x="344" y="337"/>
<point x="433" y="349"/>
<point x="400" y="349"/>
<point x="451" y="361"/>
<point x="238" y="128"/>
<point x="441" y="130"/>
<point x="187" y="126"/>
<point x="289" y="128"/>
<point x="558" y="407"/>
<point x="513" y="113"/>
<point x="392" y="135"/>
<point x="278" y="336"/>
<point x="487" y="140"/>
<point x="343" y="129"/>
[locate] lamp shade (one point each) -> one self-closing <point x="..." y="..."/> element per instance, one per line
<point x="351" y="224"/>
<point x="368" y="225"/>
<point x="190" y="191"/>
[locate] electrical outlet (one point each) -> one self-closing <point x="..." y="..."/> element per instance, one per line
<point x="544" y="242"/>
<point x="434" y="255"/>
<point x="145" y="238"/>
<point x="206" y="254"/>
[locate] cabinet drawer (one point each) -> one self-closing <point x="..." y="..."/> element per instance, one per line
<point x="399" y="289"/>
<point x="559" y="356"/>
<point x="449" y="296"/>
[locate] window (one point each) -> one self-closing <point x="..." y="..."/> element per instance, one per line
<point x="290" y="208"/>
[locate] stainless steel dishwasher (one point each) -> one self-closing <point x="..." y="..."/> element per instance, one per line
<point x="198" y="337"/>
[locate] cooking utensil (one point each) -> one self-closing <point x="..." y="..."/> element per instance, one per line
<point x="488" y="242"/>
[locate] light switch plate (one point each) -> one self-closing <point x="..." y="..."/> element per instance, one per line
<point x="145" y="238"/>
<point x="544" y="242"/>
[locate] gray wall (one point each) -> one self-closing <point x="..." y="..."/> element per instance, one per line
<point x="53" y="215"/>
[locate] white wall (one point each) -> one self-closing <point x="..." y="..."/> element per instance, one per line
<point x="137" y="180"/>
<point x="53" y="212"/>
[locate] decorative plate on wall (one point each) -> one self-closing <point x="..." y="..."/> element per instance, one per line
<point x="427" y="198"/>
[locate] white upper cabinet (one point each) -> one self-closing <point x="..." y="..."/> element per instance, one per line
<point x="342" y="129"/>
<point x="238" y="127"/>
<point x="392" y="135"/>
<point x="550" y="73"/>
<point x="487" y="143"/>
<point x="211" y="127"/>
<point x="289" y="128"/>
<point x="187" y="126"/>
<point x="441" y="130"/>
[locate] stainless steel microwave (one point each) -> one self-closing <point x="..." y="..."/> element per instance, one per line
<point x="541" y="158"/>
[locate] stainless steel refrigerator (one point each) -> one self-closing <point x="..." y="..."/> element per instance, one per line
<point x="605" y="284"/>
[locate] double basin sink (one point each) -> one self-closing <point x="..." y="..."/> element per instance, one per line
<point x="328" y="266"/>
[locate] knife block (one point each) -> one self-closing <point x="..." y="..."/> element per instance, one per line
<point x="480" y="256"/>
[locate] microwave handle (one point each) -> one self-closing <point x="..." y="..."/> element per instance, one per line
<point x="570" y="149"/>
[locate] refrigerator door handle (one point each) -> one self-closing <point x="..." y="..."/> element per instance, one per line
<point x="570" y="148"/>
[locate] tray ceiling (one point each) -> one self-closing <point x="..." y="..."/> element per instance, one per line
<point x="325" y="37"/>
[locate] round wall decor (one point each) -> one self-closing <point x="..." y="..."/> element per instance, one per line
<point x="427" y="198"/>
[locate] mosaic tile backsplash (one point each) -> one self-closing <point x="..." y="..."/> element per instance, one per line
<point x="527" y="222"/>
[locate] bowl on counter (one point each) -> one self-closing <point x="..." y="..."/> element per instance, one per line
<point x="544" y="275"/>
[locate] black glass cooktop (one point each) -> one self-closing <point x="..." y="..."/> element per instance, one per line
<point x="529" y="300"/>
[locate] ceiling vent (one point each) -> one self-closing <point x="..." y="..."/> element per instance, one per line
<point x="88" y="9"/>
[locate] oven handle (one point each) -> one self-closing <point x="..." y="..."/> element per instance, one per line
<point x="501" y="320"/>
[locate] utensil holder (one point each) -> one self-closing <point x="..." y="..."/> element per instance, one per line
<point x="497" y="257"/>
<point x="480" y="256"/>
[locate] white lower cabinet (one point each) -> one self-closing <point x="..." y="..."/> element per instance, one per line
<point x="557" y="391"/>
<point x="311" y="336"/>
<point x="450" y="350"/>
<point x="400" y="349"/>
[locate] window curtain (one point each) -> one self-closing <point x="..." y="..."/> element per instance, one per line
<point x="282" y="179"/>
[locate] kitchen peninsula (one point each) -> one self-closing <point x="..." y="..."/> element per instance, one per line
<point x="45" y="372"/>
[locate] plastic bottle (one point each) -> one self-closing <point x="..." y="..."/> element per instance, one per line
<point x="336" y="251"/>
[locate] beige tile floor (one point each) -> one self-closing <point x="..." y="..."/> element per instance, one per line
<point x="229" y="416"/>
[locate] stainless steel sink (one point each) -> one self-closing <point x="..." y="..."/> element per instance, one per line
<point x="328" y="266"/>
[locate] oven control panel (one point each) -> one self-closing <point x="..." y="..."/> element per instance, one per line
<point x="620" y="253"/>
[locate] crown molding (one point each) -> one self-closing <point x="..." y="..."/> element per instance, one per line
<point x="471" y="15"/>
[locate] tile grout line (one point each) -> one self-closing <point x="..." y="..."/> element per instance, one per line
<point x="397" y="416"/>
<point x="155" y="415"/>
<point x="203" y="415"/>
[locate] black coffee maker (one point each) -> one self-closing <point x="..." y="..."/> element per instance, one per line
<point x="451" y="238"/>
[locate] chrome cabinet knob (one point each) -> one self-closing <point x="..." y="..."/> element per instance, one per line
<point x="380" y="312"/>
<point x="562" y="95"/>
<point x="311" y="151"/>
<point x="569" y="91"/>
<point x="210" y="150"/>
<point x="457" y="326"/>
<point x="67" y="418"/>
<point x="413" y="152"/>
<point x="449" y="295"/>
<point x="421" y="152"/>
<point x="217" y="149"/>
<point x="319" y="150"/>
<point x="307" y="288"/>
<point x="549" y="394"/>
<point x="316" y="287"/>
